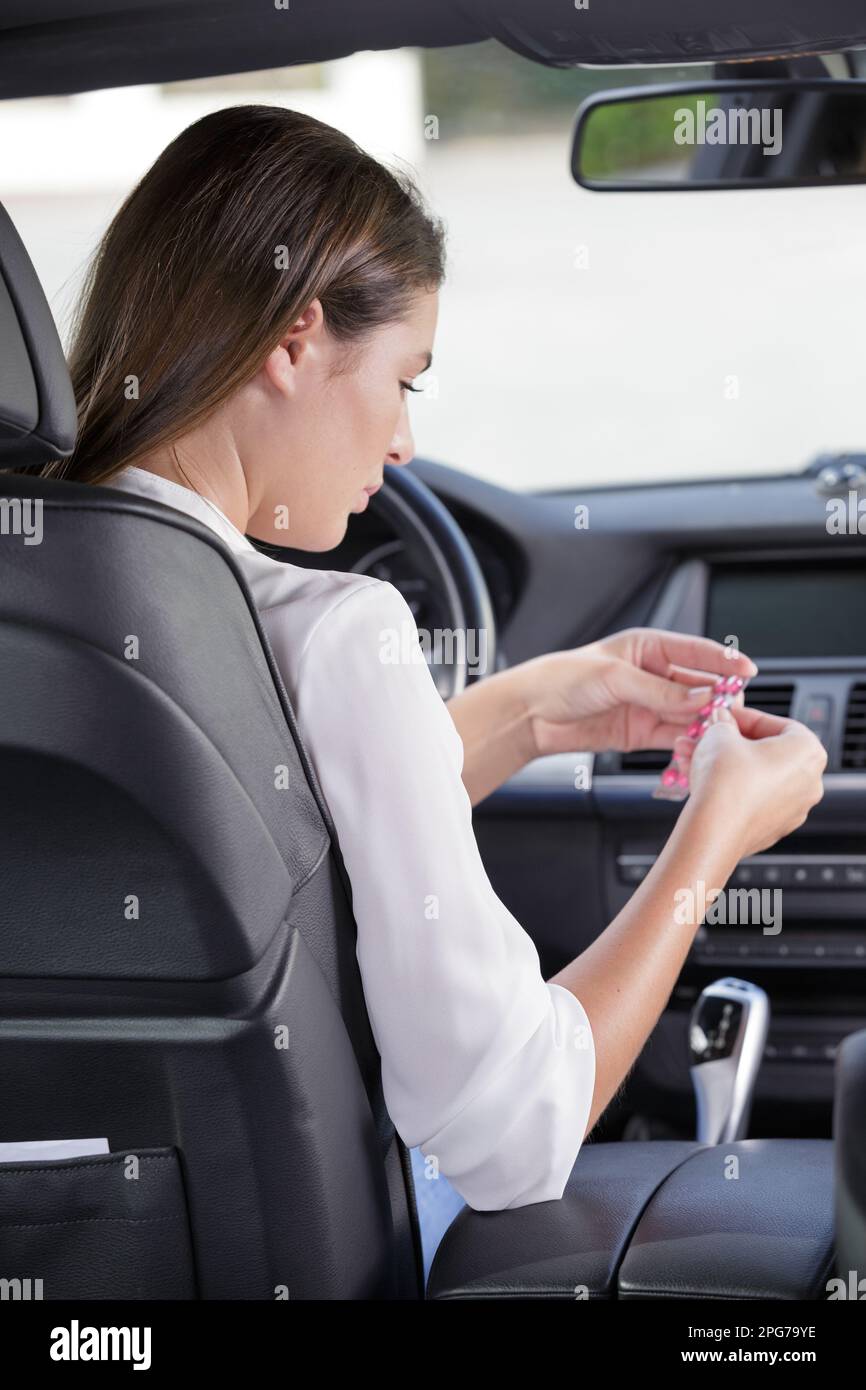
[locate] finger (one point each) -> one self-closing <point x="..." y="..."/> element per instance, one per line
<point x="661" y="650"/>
<point x="704" y="680"/>
<point x="678" y="709"/>
<point x="757" y="723"/>
<point x="687" y="675"/>
<point x="682" y="746"/>
<point x="631" y="685"/>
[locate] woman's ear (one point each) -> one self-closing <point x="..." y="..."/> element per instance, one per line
<point x="278" y="369"/>
<point x="299" y="346"/>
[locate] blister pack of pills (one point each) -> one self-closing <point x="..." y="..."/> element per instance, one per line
<point x="673" y="784"/>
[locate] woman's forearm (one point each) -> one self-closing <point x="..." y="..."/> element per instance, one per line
<point x="625" y="978"/>
<point x="493" y="720"/>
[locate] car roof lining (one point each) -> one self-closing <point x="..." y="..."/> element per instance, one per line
<point x="59" y="47"/>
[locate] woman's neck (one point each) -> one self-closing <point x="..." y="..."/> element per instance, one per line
<point x="221" y="479"/>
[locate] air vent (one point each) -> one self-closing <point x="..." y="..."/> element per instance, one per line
<point x="647" y="760"/>
<point x="774" y="698"/>
<point x="854" y="738"/>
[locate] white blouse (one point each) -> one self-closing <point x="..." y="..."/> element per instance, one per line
<point x="485" y="1067"/>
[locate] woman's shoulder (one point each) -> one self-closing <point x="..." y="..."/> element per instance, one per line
<point x="311" y="593"/>
<point x="302" y="607"/>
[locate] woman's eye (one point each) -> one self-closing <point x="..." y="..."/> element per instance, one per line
<point x="407" y="386"/>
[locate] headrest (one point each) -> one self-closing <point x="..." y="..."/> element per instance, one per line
<point x="37" y="407"/>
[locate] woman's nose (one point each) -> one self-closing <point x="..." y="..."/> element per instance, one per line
<point x="402" y="449"/>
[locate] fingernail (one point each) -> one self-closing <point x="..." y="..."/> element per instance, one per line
<point x="700" y="692"/>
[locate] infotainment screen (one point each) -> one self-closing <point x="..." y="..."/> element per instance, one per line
<point x="808" y="609"/>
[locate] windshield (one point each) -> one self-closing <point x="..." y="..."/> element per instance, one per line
<point x="584" y="339"/>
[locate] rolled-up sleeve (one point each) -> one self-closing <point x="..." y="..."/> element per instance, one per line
<point x="485" y="1067"/>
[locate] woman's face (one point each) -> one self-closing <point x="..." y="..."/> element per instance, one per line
<point x="315" y="427"/>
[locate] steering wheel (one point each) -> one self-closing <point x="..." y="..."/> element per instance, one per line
<point x="436" y="543"/>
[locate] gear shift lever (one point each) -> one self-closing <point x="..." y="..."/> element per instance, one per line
<point x="727" y="1033"/>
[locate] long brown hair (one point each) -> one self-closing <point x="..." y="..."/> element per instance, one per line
<point x="245" y="218"/>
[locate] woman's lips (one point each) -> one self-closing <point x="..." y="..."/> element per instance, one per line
<point x="364" y="496"/>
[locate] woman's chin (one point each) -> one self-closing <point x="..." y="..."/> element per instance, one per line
<point x="321" y="541"/>
<point x="316" y="540"/>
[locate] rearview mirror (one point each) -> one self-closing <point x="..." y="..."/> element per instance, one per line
<point x="728" y="134"/>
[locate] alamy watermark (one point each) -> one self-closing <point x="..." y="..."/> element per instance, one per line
<point x="21" y="1290"/>
<point x="738" y="125"/>
<point x="720" y="907"/>
<point x="444" y="646"/>
<point x="846" y="516"/>
<point x="22" y="516"/>
<point x="86" y="1343"/>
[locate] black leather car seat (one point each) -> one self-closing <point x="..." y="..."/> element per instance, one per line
<point x="177" y="947"/>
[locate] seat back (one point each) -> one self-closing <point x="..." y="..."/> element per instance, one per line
<point x="177" y="948"/>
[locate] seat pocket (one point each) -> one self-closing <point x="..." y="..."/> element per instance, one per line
<point x="111" y="1226"/>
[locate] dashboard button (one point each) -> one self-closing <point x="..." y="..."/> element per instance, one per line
<point x="799" y="949"/>
<point x="842" y="950"/>
<point x="770" y="875"/>
<point x="633" y="873"/>
<point x="817" y="715"/>
<point x="854" y="875"/>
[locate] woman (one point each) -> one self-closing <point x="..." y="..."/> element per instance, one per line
<point x="250" y="331"/>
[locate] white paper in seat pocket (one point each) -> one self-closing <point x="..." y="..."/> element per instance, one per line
<point x="45" y="1150"/>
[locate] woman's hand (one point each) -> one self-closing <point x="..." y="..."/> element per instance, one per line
<point x="759" y="773"/>
<point x="638" y="689"/>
